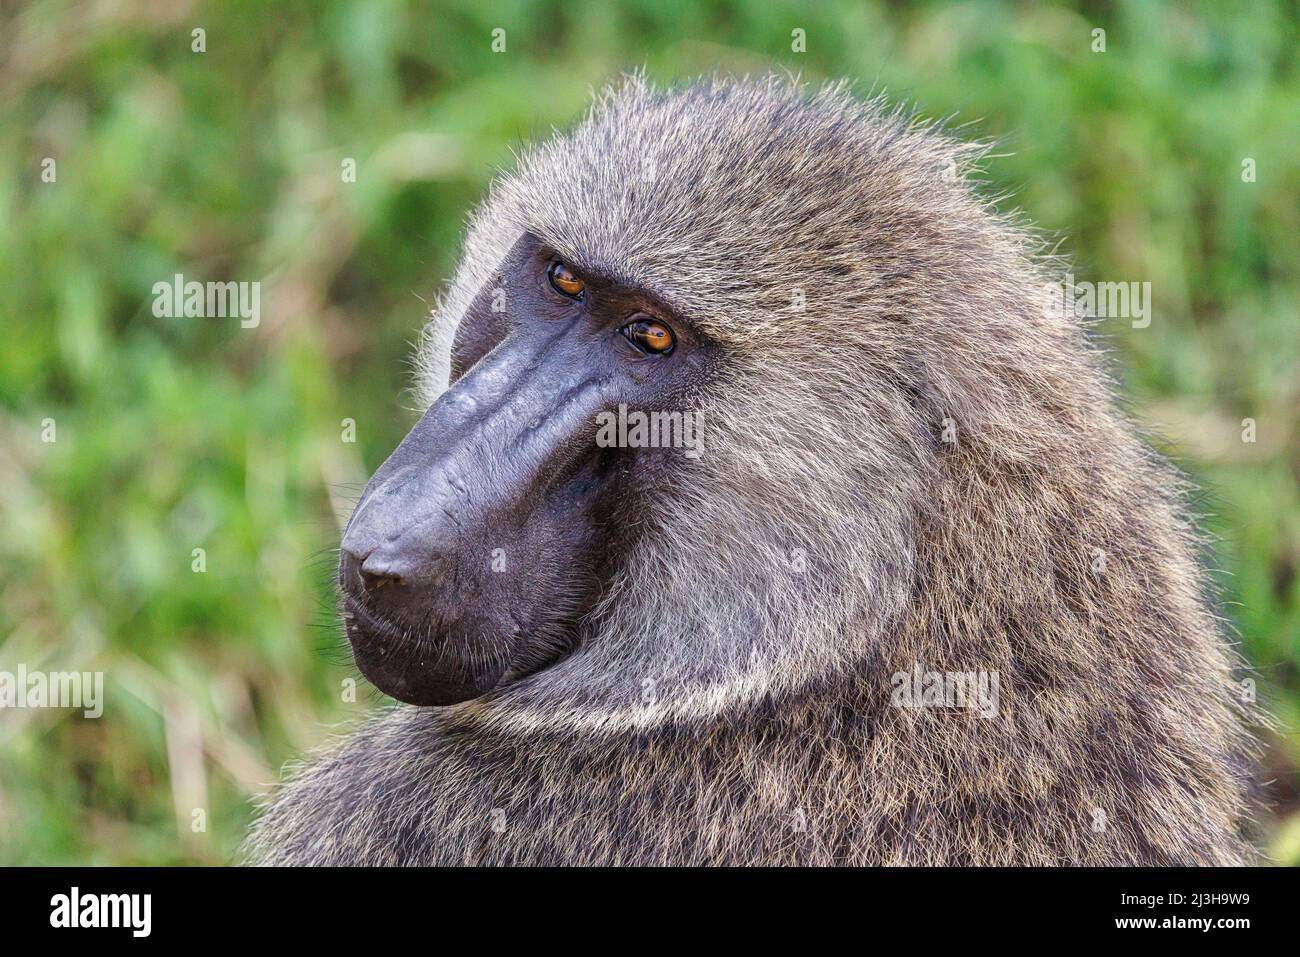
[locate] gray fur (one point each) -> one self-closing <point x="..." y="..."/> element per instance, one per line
<point x="730" y="699"/>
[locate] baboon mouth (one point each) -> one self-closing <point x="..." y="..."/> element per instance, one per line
<point x="423" y="667"/>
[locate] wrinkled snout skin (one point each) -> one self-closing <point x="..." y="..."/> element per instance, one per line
<point x="480" y="544"/>
<point x="477" y="524"/>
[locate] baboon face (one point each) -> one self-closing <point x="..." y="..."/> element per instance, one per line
<point x="486" y="535"/>
<point x="746" y="256"/>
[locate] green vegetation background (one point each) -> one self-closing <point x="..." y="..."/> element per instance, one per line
<point x="225" y="165"/>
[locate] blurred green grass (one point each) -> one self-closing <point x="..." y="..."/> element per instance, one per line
<point x="225" y="165"/>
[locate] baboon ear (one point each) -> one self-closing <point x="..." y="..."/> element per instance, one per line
<point x="924" y="396"/>
<point x="951" y="394"/>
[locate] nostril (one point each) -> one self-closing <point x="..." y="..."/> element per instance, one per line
<point x="376" y="580"/>
<point x="370" y="569"/>
<point x="376" y="573"/>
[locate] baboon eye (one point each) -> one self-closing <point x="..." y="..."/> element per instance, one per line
<point x="564" y="281"/>
<point x="648" y="335"/>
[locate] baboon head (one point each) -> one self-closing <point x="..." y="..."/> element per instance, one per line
<point x="789" y="269"/>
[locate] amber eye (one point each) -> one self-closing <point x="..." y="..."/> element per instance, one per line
<point x="649" y="335"/>
<point x="564" y="281"/>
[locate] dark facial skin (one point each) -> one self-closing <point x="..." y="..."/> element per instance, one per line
<point x="492" y="528"/>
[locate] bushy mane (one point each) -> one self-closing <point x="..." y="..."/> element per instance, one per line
<point x="910" y="464"/>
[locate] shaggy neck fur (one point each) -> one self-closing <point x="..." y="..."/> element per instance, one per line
<point x="909" y="463"/>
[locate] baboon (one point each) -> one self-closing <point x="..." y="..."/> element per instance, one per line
<point x="910" y="466"/>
